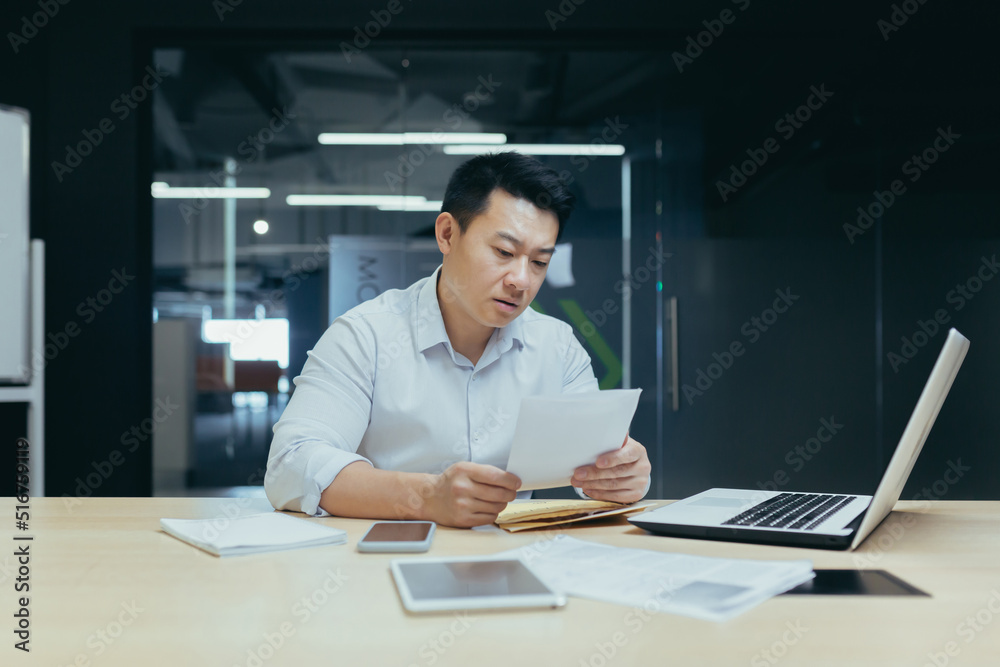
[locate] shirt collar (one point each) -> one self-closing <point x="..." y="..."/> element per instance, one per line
<point x="429" y="324"/>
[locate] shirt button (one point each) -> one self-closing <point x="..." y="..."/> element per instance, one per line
<point x="477" y="436"/>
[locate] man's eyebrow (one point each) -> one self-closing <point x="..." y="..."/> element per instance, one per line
<point x="519" y="243"/>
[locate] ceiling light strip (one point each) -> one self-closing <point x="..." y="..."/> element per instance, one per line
<point x="163" y="191"/>
<point x="409" y="138"/>
<point x="355" y="200"/>
<point x="588" y="150"/>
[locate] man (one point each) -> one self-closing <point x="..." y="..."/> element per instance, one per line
<point x="404" y="408"/>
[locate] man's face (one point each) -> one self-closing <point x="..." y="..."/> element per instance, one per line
<point x="493" y="269"/>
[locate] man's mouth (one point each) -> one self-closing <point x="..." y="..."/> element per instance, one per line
<point x="507" y="305"/>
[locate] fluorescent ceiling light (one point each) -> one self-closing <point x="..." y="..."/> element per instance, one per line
<point x="409" y="138"/>
<point x="161" y="190"/>
<point x="541" y="149"/>
<point x="354" y="200"/>
<point x="414" y="206"/>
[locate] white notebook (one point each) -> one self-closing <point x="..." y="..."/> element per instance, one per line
<point x="256" y="533"/>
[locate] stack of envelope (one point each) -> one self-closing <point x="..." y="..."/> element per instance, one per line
<point x="529" y="514"/>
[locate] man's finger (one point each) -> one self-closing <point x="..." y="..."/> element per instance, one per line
<point x="622" y="496"/>
<point x="485" y="519"/>
<point x="592" y="472"/>
<point x="487" y="474"/>
<point x="613" y="483"/>
<point x="493" y="494"/>
<point x="485" y="507"/>
<point x="619" y="457"/>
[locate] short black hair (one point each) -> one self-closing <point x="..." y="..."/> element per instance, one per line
<point x="522" y="176"/>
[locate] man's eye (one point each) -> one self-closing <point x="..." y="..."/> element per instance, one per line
<point x="541" y="264"/>
<point x="504" y="253"/>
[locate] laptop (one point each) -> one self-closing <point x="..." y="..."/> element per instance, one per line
<point x="819" y="520"/>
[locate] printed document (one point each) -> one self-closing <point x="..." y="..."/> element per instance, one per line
<point x="713" y="589"/>
<point x="555" y="435"/>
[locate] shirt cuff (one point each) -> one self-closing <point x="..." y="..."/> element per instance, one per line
<point x="322" y="480"/>
<point x="296" y="479"/>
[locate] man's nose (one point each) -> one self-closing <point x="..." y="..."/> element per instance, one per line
<point x="517" y="277"/>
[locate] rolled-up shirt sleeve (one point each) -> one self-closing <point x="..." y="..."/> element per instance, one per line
<point x="578" y="373"/>
<point x="321" y="428"/>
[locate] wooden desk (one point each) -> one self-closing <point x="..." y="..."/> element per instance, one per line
<point x="107" y="588"/>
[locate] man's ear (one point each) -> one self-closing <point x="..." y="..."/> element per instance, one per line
<point x="446" y="229"/>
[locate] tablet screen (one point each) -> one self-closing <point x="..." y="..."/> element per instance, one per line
<point x="470" y="579"/>
<point x="470" y="583"/>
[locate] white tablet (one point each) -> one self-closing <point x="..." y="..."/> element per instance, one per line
<point x="491" y="582"/>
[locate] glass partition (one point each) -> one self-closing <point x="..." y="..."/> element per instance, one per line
<point x="290" y="186"/>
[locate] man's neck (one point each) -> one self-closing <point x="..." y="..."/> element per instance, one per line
<point x="467" y="337"/>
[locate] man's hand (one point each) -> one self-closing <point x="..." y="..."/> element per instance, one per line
<point x="619" y="476"/>
<point x="471" y="494"/>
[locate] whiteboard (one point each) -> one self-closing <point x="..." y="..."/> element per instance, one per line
<point x="14" y="286"/>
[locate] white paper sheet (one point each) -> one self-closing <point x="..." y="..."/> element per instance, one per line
<point x="555" y="435"/>
<point x="714" y="589"/>
<point x="560" y="271"/>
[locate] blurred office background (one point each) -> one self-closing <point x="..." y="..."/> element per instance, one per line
<point x="802" y="199"/>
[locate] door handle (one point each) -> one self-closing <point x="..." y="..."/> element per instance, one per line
<point x="675" y="393"/>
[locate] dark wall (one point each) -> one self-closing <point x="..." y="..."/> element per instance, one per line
<point x="96" y="219"/>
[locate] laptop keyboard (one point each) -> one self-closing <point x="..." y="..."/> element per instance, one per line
<point x="801" y="511"/>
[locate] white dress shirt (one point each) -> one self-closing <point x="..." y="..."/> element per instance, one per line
<point x="384" y="385"/>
